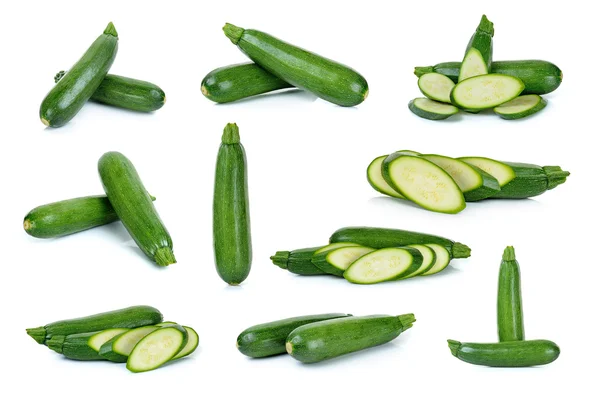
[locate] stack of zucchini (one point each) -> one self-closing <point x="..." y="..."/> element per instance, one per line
<point x="369" y="255"/>
<point x="443" y="184"/>
<point x="135" y="335"/>
<point x="511" y="88"/>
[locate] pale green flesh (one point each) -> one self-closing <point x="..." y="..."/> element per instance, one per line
<point x="486" y="91"/>
<point x="502" y="172"/>
<point x="377" y="181"/>
<point x="435" y="107"/>
<point x="126" y="342"/>
<point x="342" y="258"/>
<point x="429" y="258"/>
<point x="472" y="65"/>
<point x="155" y="349"/>
<point x="465" y="176"/>
<point x="442" y="259"/>
<point x="334" y="246"/>
<point x="191" y="345"/>
<point x="519" y="104"/>
<point x="379" y="266"/>
<point x="99" y="339"/>
<point x="436" y="86"/>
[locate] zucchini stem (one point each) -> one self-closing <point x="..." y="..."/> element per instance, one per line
<point x="556" y="176"/>
<point x="111" y="30"/>
<point x="460" y="250"/>
<point x="407" y="321"/>
<point x="509" y="254"/>
<point x="281" y="259"/>
<point x="56" y="343"/>
<point x="454" y="346"/>
<point x="233" y="33"/>
<point x="231" y="134"/>
<point x="38" y="334"/>
<point x="486" y="26"/>
<point x="164" y="257"/>
<point x="421" y="70"/>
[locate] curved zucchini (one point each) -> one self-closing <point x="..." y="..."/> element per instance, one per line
<point x="432" y="110"/>
<point x="118" y="348"/>
<point x="478" y="56"/>
<point x="336" y="261"/>
<point x="66" y="98"/>
<point x="375" y="178"/>
<point x="131" y="201"/>
<point x="521" y="107"/>
<point x="436" y="87"/>
<point x="268" y="339"/>
<point x="386" y="264"/>
<point x="323" y="77"/>
<point x="331" y="338"/>
<point x="506" y="354"/>
<point x="486" y="91"/>
<point x="298" y="261"/>
<point x="231" y="214"/>
<point x="510" y="306"/>
<point x="157" y="348"/>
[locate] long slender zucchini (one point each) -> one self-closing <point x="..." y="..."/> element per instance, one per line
<point x="378" y="237"/>
<point x="134" y="207"/>
<point x="521" y="107"/>
<point x="66" y="98"/>
<point x="539" y="76"/>
<point x="298" y="261"/>
<point x="478" y="56"/>
<point x="327" y="79"/>
<point x="268" y="339"/>
<point x="130" y="317"/>
<point x="231" y="213"/>
<point x="118" y="348"/>
<point x="331" y="338"/>
<point x="157" y="348"/>
<point x="235" y="82"/>
<point x="386" y="264"/>
<point x="486" y="91"/>
<point x="83" y="346"/>
<point x="510" y="307"/>
<point x="336" y="261"/>
<point x="506" y="354"/>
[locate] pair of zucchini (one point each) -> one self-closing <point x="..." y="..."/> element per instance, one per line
<point x="314" y="338"/>
<point x="443" y="184"/>
<point x="512" y="350"/>
<point x="278" y="65"/>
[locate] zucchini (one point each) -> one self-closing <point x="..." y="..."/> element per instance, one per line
<point x="323" y="77"/>
<point x="332" y="338"/>
<point x="502" y="172"/>
<point x="235" y="82"/>
<point x="478" y="56"/>
<point x="442" y="259"/>
<point x="378" y="237"/>
<point x="70" y="94"/>
<point x="474" y="183"/>
<point x="69" y="216"/>
<point x="157" y="348"/>
<point x="336" y="261"/>
<point x="375" y="178"/>
<point x="506" y="354"/>
<point x="298" y="261"/>
<point x="83" y="346"/>
<point x="191" y="345"/>
<point x="423" y="183"/>
<point x="486" y="91"/>
<point x="231" y="214"/>
<point x="335" y="246"/>
<point x="268" y="339"/>
<point x="521" y="107"/>
<point x="118" y="348"/>
<point x="510" y="310"/>
<point x="386" y="264"/>
<point x="436" y="87"/>
<point x="130" y="317"/>
<point x="432" y="110"/>
<point x="133" y="205"/>
<point x="429" y="258"/>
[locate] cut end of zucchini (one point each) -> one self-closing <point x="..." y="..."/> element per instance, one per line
<point x="111" y="30"/>
<point x="38" y="334"/>
<point x="45" y="121"/>
<point x="521" y="107"/>
<point x="421" y="70"/>
<point x="486" y="26"/>
<point x="509" y="254"/>
<point x="56" y="343"/>
<point x="164" y="257"/>
<point x="432" y="110"/>
<point x="556" y="176"/>
<point x="231" y="134"/>
<point x="454" y="346"/>
<point x="460" y="250"/>
<point x="289" y="348"/>
<point x="233" y="33"/>
<point x="485" y="91"/>
<point x="59" y="76"/>
<point x="436" y="87"/>
<point x="407" y="321"/>
<point x="281" y="259"/>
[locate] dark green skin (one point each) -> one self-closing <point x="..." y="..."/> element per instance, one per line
<point x="540" y="77"/>
<point x="323" y="77"/>
<point x="268" y="339"/>
<point x="506" y="354"/>
<point x="298" y="261"/>
<point x="231" y="214"/>
<point x="130" y="317"/>
<point x="332" y="338"/>
<point x="482" y="41"/>
<point x="531" y="180"/>
<point x="75" y="346"/>
<point x="134" y="207"/>
<point x="489" y="188"/>
<point x="66" y="98"/>
<point x="235" y="82"/>
<point x="510" y="306"/>
<point x="377" y="237"/>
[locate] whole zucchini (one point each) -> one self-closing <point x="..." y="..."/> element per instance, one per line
<point x="506" y="354"/>
<point x="323" y="77"/>
<point x="66" y="98"/>
<point x="134" y="207"/>
<point x="298" y="261"/>
<point x="510" y="311"/>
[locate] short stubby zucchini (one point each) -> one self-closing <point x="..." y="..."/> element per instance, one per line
<point x="436" y="87"/>
<point x="478" y="56"/>
<point x="336" y="261"/>
<point x="332" y="338"/>
<point x="521" y="107"/>
<point x="506" y="354"/>
<point x="323" y="77"/>
<point x="486" y="91"/>
<point x="298" y="261"/>
<point x="70" y="94"/>
<point x="386" y="264"/>
<point x="118" y="348"/>
<point x="375" y="178"/>
<point x="432" y="110"/>
<point x="268" y="339"/>
<point x="157" y="348"/>
<point x="510" y="306"/>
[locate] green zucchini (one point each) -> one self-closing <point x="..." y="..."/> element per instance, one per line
<point x="386" y="264"/>
<point x="231" y="214"/>
<point x="133" y="205"/>
<point x="298" y="261"/>
<point x="118" y="348"/>
<point x="429" y="259"/>
<point x="501" y="171"/>
<point x="328" y="339"/>
<point x="436" y="87"/>
<point x="130" y="317"/>
<point x="336" y="261"/>
<point x="127" y="93"/>
<point x="268" y="339"/>
<point x="70" y="94"/>
<point x="323" y="77"/>
<point x="235" y="82"/>
<point x="69" y="216"/>
<point x="506" y="354"/>
<point x="335" y="246"/>
<point x="191" y="345"/>
<point x="521" y="107"/>
<point x="157" y="348"/>
<point x="83" y="346"/>
<point x="442" y="259"/>
<point x="486" y="91"/>
<point x="378" y="237"/>
<point x="375" y="178"/>
<point x="478" y="56"/>
<point x="432" y="110"/>
<point x="510" y="310"/>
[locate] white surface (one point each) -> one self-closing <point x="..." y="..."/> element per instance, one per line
<point x="307" y="160"/>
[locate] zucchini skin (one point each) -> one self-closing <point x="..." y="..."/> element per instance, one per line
<point x="235" y="82"/>
<point x="378" y="237"/>
<point x="510" y="306"/>
<point x="133" y="205"/>
<point x="326" y="78"/>
<point x="539" y="76"/>
<point x="231" y="212"/>
<point x="269" y="339"/>
<point x="63" y="101"/>
<point x="298" y="261"/>
<point x="332" y="338"/>
<point x="506" y="354"/>
<point x="483" y="42"/>
<point x="75" y="346"/>
<point x="489" y="188"/>
<point x="531" y="180"/>
<point x="130" y="317"/>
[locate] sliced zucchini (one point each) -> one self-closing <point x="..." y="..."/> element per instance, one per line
<point x="191" y="345"/>
<point x="375" y="178"/>
<point x="382" y="265"/>
<point x="157" y="348"/>
<point x="97" y="340"/>
<point x="472" y="65"/>
<point x="478" y="56"/>
<point x="335" y="262"/>
<point x="409" y="152"/>
<point x="436" y="87"/>
<point x="429" y="258"/>
<point x="502" y="172"/>
<point x="118" y="348"/>
<point x="432" y="110"/>
<point x="521" y="107"/>
<point x="442" y="259"/>
<point x="486" y="91"/>
<point x="334" y="246"/>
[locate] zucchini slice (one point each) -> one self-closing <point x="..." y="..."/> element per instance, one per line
<point x="334" y="246"/>
<point x="375" y="178"/>
<point x="486" y="91"/>
<point x="429" y="258"/>
<point x="432" y="110"/>
<point x="502" y="172"/>
<point x="157" y="348"/>
<point x="335" y="262"/>
<point x="191" y="345"/>
<point x="382" y="265"/>
<point x="521" y="107"/>
<point x="442" y="259"/>
<point x="436" y="87"/>
<point x="118" y="348"/>
<point x="472" y="65"/>
<point x="97" y="340"/>
<point x="424" y="183"/>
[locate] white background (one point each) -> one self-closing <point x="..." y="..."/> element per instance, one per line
<point x="307" y="161"/>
